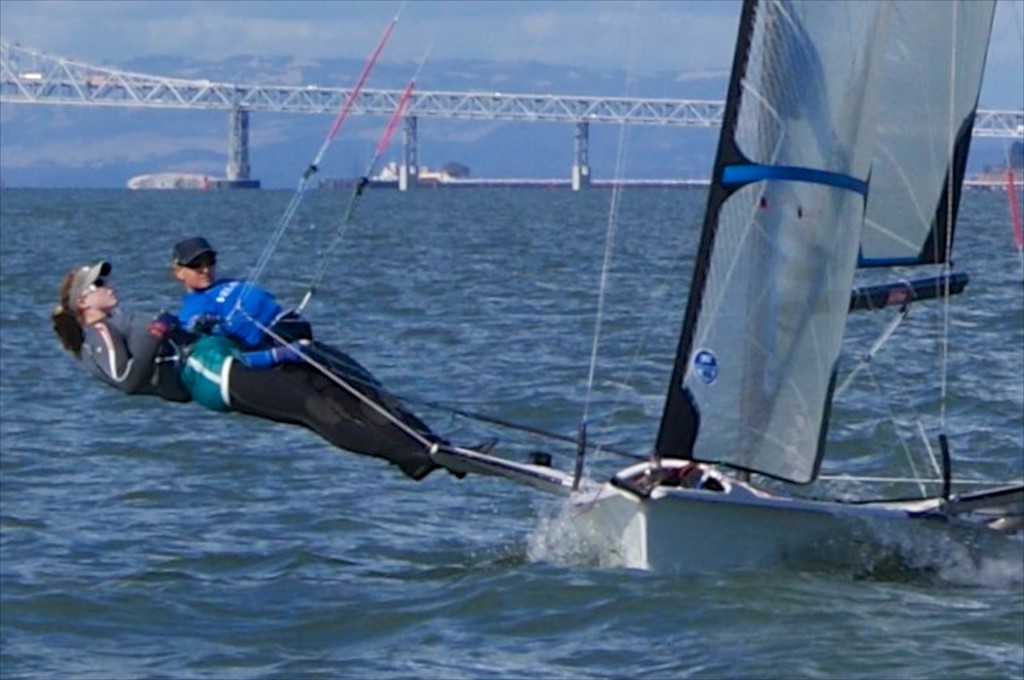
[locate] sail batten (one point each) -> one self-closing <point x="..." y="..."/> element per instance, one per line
<point x="742" y="174"/>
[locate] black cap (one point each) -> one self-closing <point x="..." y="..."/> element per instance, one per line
<point x="188" y="250"/>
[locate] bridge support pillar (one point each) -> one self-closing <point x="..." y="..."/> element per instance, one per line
<point x="581" y="161"/>
<point x="238" y="154"/>
<point x="408" y="173"/>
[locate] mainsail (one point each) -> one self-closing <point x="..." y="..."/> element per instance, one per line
<point x="753" y="376"/>
<point x="934" y="61"/>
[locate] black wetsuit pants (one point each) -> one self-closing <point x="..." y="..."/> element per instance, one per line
<point x="301" y="394"/>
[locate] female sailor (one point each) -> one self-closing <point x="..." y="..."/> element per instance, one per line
<point x="117" y="348"/>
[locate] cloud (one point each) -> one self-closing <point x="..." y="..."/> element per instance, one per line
<point x="541" y="26"/>
<point x="693" y="76"/>
<point x="577" y="33"/>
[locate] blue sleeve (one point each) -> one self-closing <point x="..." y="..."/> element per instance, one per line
<point x="259" y="359"/>
<point x="247" y="309"/>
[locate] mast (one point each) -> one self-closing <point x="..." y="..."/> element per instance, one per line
<point x="680" y="419"/>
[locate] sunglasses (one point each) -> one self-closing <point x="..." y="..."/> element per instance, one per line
<point x="204" y="262"/>
<point x="93" y="287"/>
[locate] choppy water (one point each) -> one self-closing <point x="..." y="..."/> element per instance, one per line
<point x="143" y="539"/>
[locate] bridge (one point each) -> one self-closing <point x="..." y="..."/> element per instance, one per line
<point x="29" y="76"/>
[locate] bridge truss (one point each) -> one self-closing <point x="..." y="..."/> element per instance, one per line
<point x="29" y="76"/>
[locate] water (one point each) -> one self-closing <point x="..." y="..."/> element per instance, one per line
<point x="145" y="539"/>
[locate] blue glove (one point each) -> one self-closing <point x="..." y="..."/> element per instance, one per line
<point x="202" y="323"/>
<point x="290" y="354"/>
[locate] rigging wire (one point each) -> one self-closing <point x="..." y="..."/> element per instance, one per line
<point x="314" y="165"/>
<point x="1011" y="187"/>
<point x="610" y="232"/>
<point x="526" y="429"/>
<point x="361" y="184"/>
<point x="888" y="400"/>
<point x="1015" y="219"/>
<point x="347" y="383"/>
<point x="868" y="356"/>
<point x="296" y="200"/>
<point x="947" y="266"/>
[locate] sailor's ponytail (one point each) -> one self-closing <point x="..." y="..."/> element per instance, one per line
<point x="65" y="320"/>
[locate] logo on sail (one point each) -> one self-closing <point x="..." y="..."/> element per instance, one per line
<point x="705" y="365"/>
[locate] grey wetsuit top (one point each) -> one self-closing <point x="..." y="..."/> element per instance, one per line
<point x="121" y="352"/>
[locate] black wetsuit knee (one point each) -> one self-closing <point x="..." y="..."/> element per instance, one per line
<point x="300" y="394"/>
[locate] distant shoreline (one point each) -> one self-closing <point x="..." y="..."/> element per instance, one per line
<point x="511" y="183"/>
<point x="521" y="182"/>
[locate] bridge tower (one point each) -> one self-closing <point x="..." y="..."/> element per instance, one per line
<point x="408" y="174"/>
<point x="581" y="162"/>
<point x="238" y="153"/>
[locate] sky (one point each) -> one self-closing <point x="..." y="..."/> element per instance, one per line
<point x="689" y="37"/>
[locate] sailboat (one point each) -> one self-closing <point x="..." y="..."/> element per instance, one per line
<point x="843" y="146"/>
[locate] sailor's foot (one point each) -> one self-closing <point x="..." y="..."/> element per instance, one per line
<point x="418" y="473"/>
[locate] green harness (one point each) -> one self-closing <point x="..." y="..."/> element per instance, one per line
<point x="206" y="371"/>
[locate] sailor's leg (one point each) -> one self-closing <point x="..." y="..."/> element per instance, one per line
<point x="299" y="394"/>
<point x="355" y="374"/>
<point x="344" y="366"/>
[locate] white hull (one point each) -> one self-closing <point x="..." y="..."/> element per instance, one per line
<point x="680" y="529"/>
<point x="674" y="526"/>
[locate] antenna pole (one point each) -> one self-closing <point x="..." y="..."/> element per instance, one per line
<point x="581" y="448"/>
<point x="947" y="467"/>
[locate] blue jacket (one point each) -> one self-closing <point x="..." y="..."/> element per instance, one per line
<point x="219" y="306"/>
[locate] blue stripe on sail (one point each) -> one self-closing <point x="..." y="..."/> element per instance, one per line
<point x="744" y="174"/>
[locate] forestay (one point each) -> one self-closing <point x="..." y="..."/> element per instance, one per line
<point x="925" y="123"/>
<point x="753" y="376"/>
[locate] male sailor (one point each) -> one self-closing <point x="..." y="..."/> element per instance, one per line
<point x="324" y="389"/>
<point x="230" y="307"/>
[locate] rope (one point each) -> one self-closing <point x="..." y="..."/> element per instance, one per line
<point x="612" y="227"/>
<point x="353" y="199"/>
<point x="404" y="427"/>
<point x="915" y="480"/>
<point x="947" y="266"/>
<point x="345" y="385"/>
<point x="307" y="175"/>
<point x="868" y="356"/>
<point x="509" y="425"/>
